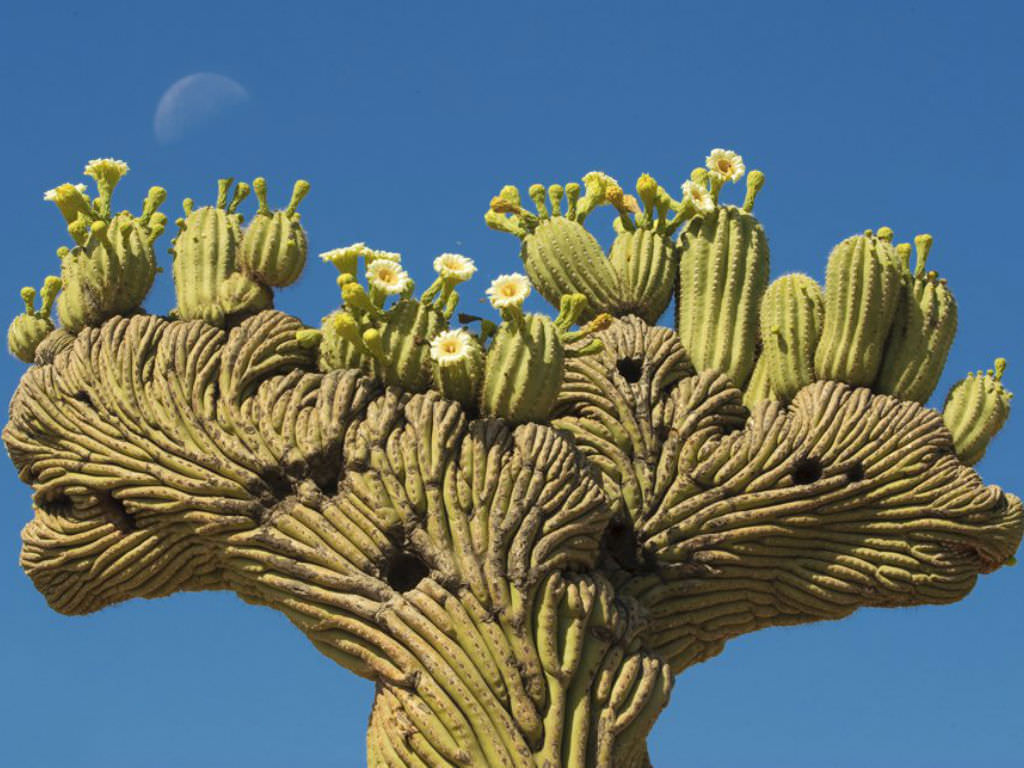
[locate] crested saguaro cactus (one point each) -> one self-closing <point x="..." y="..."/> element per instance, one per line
<point x="521" y="529"/>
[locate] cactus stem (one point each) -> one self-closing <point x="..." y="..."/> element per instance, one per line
<point x="354" y="296"/>
<point x="374" y="344"/>
<point x="28" y="295"/>
<point x="450" y="303"/>
<point x="572" y="196"/>
<point x="555" y="194"/>
<point x="903" y="251"/>
<point x="685" y="210"/>
<point x="717" y="182"/>
<point x="572" y="305"/>
<point x="259" y="185"/>
<point x="241" y="192"/>
<point x="755" y="181"/>
<point x="536" y="193"/>
<point x="624" y="204"/>
<point x="923" y="243"/>
<point x="51" y="287"/>
<point x="663" y="204"/>
<point x="647" y="190"/>
<point x="223" y="185"/>
<point x="154" y="199"/>
<point x="299" y="191"/>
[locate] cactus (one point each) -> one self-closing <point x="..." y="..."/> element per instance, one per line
<point x="792" y="311"/>
<point x="274" y="244"/>
<point x="132" y="239"/>
<point x="922" y="330"/>
<point x="28" y="329"/>
<point x="723" y="270"/>
<point x="90" y="275"/>
<point x="862" y="292"/>
<point x="112" y="266"/>
<point x="205" y="253"/>
<point x="458" y="366"/>
<point x="522" y="533"/>
<point x="560" y="256"/>
<point x="976" y="409"/>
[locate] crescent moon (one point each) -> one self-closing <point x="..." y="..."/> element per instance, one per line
<point x="194" y="100"/>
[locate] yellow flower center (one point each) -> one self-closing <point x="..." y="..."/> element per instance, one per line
<point x="724" y="166"/>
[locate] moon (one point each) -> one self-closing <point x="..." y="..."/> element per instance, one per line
<point x="194" y="100"/>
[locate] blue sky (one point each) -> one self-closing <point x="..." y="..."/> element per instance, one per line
<point x="406" y="118"/>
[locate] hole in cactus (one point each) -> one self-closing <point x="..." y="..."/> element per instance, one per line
<point x="115" y="513"/>
<point x="621" y="544"/>
<point x="58" y="503"/>
<point x="662" y="433"/>
<point x="83" y="397"/>
<point x="278" y="484"/>
<point x="630" y="368"/>
<point x="327" y="481"/>
<point x="806" y="471"/>
<point x="855" y="473"/>
<point x="404" y="571"/>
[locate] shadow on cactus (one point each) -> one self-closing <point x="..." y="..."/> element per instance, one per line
<point x="520" y="528"/>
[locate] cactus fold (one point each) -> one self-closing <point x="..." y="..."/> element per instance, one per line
<point x="976" y="409"/>
<point x="723" y="271"/>
<point x="862" y="292"/>
<point x="792" y="311"/>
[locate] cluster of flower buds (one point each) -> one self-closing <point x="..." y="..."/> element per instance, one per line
<point x="512" y="369"/>
<point x="222" y="271"/>
<point x="637" y="275"/>
<point x="29" y="329"/>
<point x="381" y="328"/>
<point x="111" y="268"/>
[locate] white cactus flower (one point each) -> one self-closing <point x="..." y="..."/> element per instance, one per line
<point x="450" y="347"/>
<point x="387" y="276"/>
<point x="50" y="195"/>
<point x="454" y="266"/>
<point x="333" y="255"/>
<point x="373" y="256"/>
<point x="700" y="196"/>
<point x="106" y="167"/>
<point x="508" y="290"/>
<point x="726" y="164"/>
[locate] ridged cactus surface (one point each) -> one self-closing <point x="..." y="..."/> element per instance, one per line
<point x="521" y="528"/>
